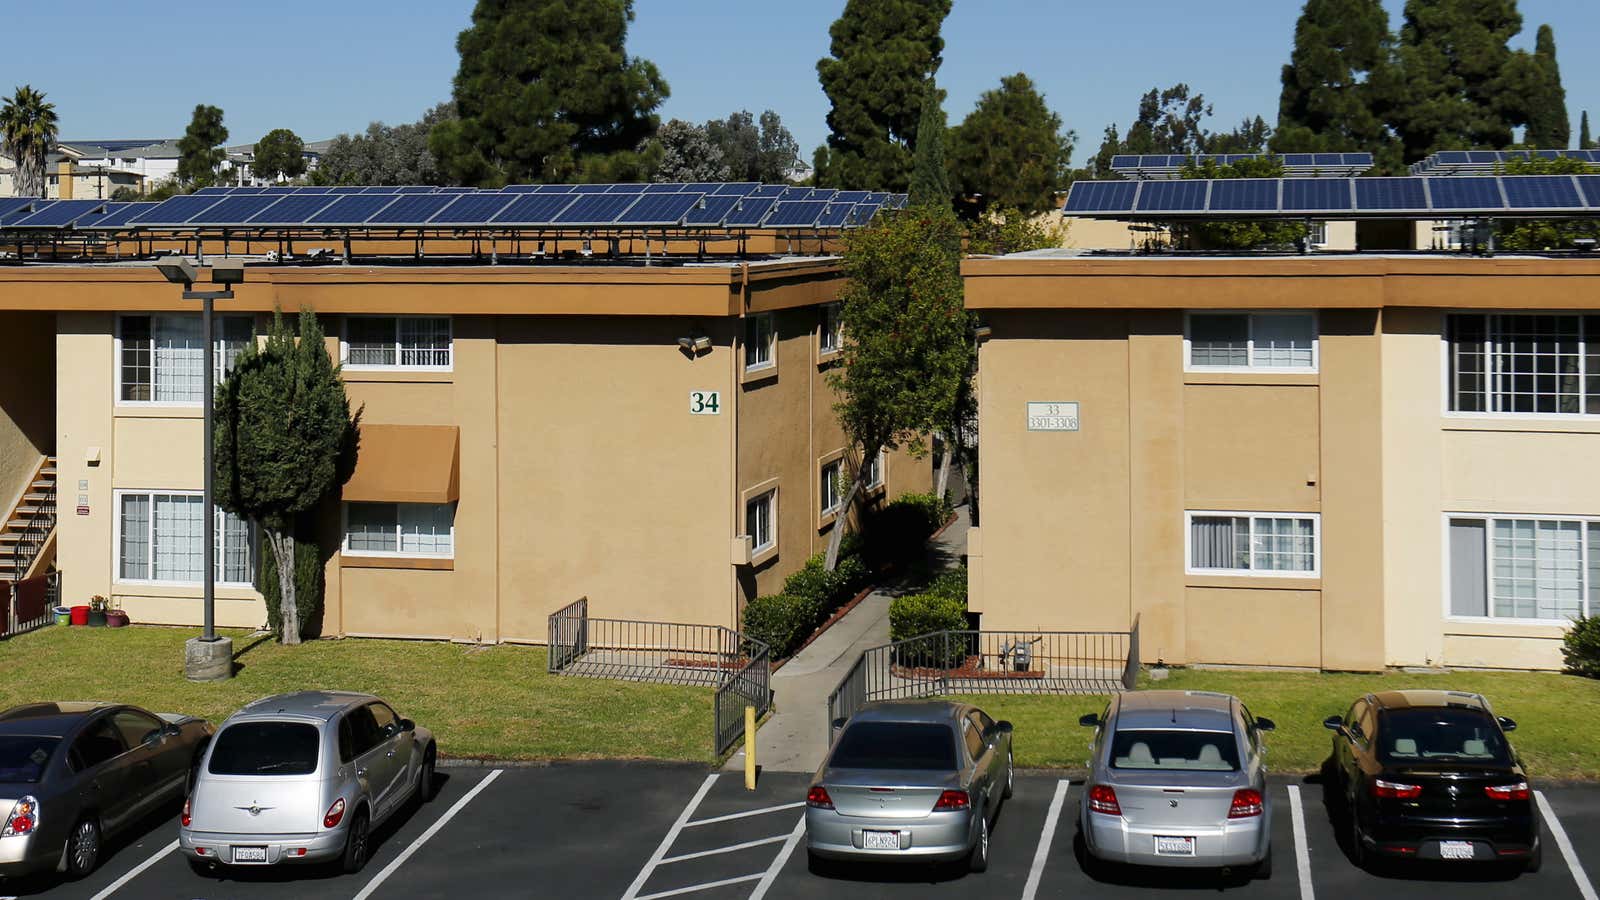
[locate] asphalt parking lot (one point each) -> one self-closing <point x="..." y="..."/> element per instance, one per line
<point x="640" y="831"/>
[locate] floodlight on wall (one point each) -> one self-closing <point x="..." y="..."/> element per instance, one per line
<point x="695" y="345"/>
<point x="227" y="273"/>
<point x="982" y="332"/>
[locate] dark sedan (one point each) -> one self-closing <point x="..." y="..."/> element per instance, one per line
<point x="1430" y="775"/>
<point x="72" y="774"/>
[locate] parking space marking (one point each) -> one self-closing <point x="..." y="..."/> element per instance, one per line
<point x="135" y="872"/>
<point x="1048" y="836"/>
<point x="701" y="887"/>
<point x="672" y="836"/>
<point x="1302" y="846"/>
<point x="423" y="838"/>
<point x="783" y="857"/>
<point x="745" y="815"/>
<point x="735" y="848"/>
<point x="1560" y="834"/>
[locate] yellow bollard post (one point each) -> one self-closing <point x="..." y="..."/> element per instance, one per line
<point x="749" y="748"/>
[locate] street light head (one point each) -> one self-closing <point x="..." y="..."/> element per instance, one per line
<point x="177" y="270"/>
<point x="227" y="273"/>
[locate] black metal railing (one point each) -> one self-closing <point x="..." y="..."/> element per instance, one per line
<point x="568" y="634"/>
<point x="29" y="604"/>
<point x="750" y="686"/>
<point x="36" y="529"/>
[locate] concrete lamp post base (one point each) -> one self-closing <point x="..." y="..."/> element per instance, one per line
<point x="205" y="660"/>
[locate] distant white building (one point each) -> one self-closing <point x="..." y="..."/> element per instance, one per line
<point x="241" y="157"/>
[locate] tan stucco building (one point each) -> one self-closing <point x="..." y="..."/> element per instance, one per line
<point x="1345" y="462"/>
<point x="531" y="435"/>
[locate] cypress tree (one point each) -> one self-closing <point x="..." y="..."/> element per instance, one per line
<point x="1585" y="142"/>
<point x="1339" y="80"/>
<point x="1012" y="149"/>
<point x="1548" y="125"/>
<point x="1463" y="85"/>
<point x="930" y="181"/>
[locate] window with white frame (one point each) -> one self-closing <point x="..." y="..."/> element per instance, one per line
<point x="759" y="336"/>
<point x="1253" y="544"/>
<point x="1245" y="340"/>
<point x="400" y="529"/>
<point x="398" y="342"/>
<point x="1524" y="568"/>
<point x="830" y="331"/>
<point x="829" y="487"/>
<point x="1538" y="365"/>
<point x="161" y="538"/>
<point x="874" y="471"/>
<point x="1317" y="234"/>
<point x="161" y="358"/>
<point x="760" y="521"/>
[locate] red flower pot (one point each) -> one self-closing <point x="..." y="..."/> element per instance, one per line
<point x="80" y="615"/>
<point x="116" y="618"/>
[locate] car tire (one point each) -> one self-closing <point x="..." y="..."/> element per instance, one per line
<point x="83" y="848"/>
<point x="979" y="860"/>
<point x="817" y="865"/>
<point x="200" y="867"/>
<point x="425" y="786"/>
<point x="1536" y="861"/>
<point x="355" y="844"/>
<point x="1358" y="848"/>
<point x="1263" y="869"/>
<point x="1011" y="776"/>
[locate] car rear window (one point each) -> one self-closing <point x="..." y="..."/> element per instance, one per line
<point x="1175" y="750"/>
<point x="265" y="748"/>
<point x="895" y="745"/>
<point x="22" y="758"/>
<point x="1440" y="735"/>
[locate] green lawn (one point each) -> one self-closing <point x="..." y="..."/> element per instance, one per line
<point x="1556" y="715"/>
<point x="493" y="702"/>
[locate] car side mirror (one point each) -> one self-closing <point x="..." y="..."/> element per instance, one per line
<point x="407" y="725"/>
<point x="1265" y="724"/>
<point x="1089" y="721"/>
<point x="1333" y="723"/>
<point x="171" y="730"/>
<point x="1508" y="724"/>
<point x="1000" y="727"/>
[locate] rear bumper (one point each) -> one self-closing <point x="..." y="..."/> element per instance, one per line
<point x="217" y="847"/>
<point x="20" y="856"/>
<point x="1240" y="842"/>
<point x="936" y="837"/>
<point x="1492" y="840"/>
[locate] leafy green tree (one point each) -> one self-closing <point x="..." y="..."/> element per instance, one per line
<point x="1001" y="231"/>
<point x="1012" y="149"/>
<point x="1252" y="136"/>
<point x="1544" y="234"/>
<point x="1549" y="128"/>
<point x="754" y="150"/>
<point x="930" y="179"/>
<point x="1170" y="121"/>
<point x="1463" y="86"/>
<point x="882" y="54"/>
<point x="284" y="442"/>
<point x="687" y="153"/>
<point x="200" y="152"/>
<point x="1585" y="141"/>
<point x="776" y="154"/>
<point x="907" y="338"/>
<point x="1246" y="234"/>
<point x="547" y="92"/>
<point x="1339" y="83"/>
<point x="280" y="154"/>
<point x="386" y="155"/>
<point x="28" y="131"/>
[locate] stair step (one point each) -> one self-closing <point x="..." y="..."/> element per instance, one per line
<point x="35" y="497"/>
<point x="48" y="470"/>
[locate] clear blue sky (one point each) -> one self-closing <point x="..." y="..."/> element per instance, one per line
<point x="136" y="70"/>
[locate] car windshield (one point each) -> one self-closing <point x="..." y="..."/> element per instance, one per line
<point x="1163" y="750"/>
<point x="23" y="758"/>
<point x="896" y="745"/>
<point x="1441" y="735"/>
<point x="265" y="748"/>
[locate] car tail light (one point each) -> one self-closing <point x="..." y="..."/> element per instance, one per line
<point x="952" y="800"/>
<point x="1392" y="790"/>
<point x="1103" y="799"/>
<point x="24" y="818"/>
<point x="817" y="798"/>
<point x="1518" y="791"/>
<point x="334" y="815"/>
<point x="1246" y="804"/>
<point x="184" y="818"/>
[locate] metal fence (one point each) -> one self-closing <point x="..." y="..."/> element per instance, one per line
<point x="28" y="603"/>
<point x="990" y="662"/>
<point x="750" y="686"/>
<point x="35" y="532"/>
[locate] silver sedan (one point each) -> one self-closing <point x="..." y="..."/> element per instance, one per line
<point x="910" y="781"/>
<point x="1177" y="779"/>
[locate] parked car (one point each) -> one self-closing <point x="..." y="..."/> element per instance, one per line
<point x="304" y="778"/>
<point x="74" y="774"/>
<point x="1430" y="775"/>
<point x="1177" y="778"/>
<point x="910" y="781"/>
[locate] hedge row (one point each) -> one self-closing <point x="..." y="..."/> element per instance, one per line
<point x="941" y="606"/>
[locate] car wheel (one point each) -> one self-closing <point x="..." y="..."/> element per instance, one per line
<point x="1263" y="870"/>
<point x="979" y="861"/>
<point x="83" y="847"/>
<point x="1011" y="776"/>
<point x="816" y="865"/>
<point x="355" y="844"/>
<point x="425" y="788"/>
<point x="1358" y="849"/>
<point x="200" y="867"/>
<point x="1536" y="861"/>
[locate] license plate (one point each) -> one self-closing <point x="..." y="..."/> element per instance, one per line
<point x="1455" y="850"/>
<point x="1174" y="846"/>
<point x="880" y="840"/>
<point x="249" y="855"/>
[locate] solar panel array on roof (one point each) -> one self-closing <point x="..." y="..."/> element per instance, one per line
<point x="59" y="213"/>
<point x="1487" y="162"/>
<point x="1296" y="165"/>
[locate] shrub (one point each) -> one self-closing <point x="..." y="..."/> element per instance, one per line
<point x="952" y="585"/>
<point x="780" y="621"/>
<point x="1581" y="647"/>
<point x="916" y="614"/>
<point x="827" y="589"/>
<point x="896" y="533"/>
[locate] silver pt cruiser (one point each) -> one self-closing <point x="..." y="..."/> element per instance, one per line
<point x="304" y="778"/>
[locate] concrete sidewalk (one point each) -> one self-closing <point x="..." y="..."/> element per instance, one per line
<point x="795" y="738"/>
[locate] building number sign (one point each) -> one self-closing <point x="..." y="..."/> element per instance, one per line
<point x="1060" y="416"/>
<point x="705" y="403"/>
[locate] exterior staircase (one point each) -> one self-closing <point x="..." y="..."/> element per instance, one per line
<point x="27" y="554"/>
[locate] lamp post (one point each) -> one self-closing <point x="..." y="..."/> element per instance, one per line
<point x="208" y="657"/>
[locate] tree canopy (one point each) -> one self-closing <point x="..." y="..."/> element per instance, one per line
<point x="687" y="154"/>
<point x="930" y="179"/>
<point x="1463" y="86"/>
<point x="28" y="131"/>
<point x="1339" y="83"/>
<point x="1585" y="141"/>
<point x="754" y="150"/>
<point x="1012" y="149"/>
<point x="386" y="155"/>
<point x="881" y="56"/>
<point x="546" y="92"/>
<point x="1549" y="128"/>
<point x="1242" y="235"/>
<point x="280" y="154"/>
<point x="200" y="152"/>
<point x="1545" y="234"/>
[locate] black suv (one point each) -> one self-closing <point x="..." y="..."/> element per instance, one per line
<point x="1430" y="775"/>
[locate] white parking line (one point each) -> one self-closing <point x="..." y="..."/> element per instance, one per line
<point x="423" y="838"/>
<point x="1302" y="849"/>
<point x="744" y="815"/>
<point x="1560" y="834"/>
<point x="777" y="864"/>
<point x="135" y="871"/>
<point x="672" y="836"/>
<point x="701" y="887"/>
<point x="735" y="848"/>
<point x="1041" y="855"/>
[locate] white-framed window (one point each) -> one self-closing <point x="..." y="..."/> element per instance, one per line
<point x="761" y="522"/>
<point x="1536" y="569"/>
<point x="829" y="488"/>
<point x="759" y="337"/>
<point x="1242" y="543"/>
<point x="160" y="539"/>
<point x="161" y="358"/>
<point x="874" y="470"/>
<point x="1524" y="364"/>
<point x="1251" y="341"/>
<point x="425" y="530"/>
<point x="420" y="343"/>
<point x="830" y="330"/>
<point x="1317" y="235"/>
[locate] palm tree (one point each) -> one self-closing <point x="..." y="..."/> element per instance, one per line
<point x="28" y="130"/>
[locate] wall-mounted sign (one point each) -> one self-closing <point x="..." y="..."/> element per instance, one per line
<point x="83" y="510"/>
<point x="1054" y="416"/>
<point x="705" y="403"/>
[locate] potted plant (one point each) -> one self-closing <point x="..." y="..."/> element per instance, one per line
<point x="97" y="611"/>
<point x="116" y="618"/>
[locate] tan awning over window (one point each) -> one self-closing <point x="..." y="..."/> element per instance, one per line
<point x="407" y="464"/>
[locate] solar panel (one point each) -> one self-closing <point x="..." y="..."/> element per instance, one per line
<point x="1245" y="194"/>
<point x="590" y="188"/>
<point x="1315" y="194"/>
<point x="796" y="214"/>
<point x="1376" y="194"/>
<point x="835" y="215"/>
<point x="415" y="189"/>
<point x="292" y="210"/>
<point x="94" y="219"/>
<point x="1101" y="196"/>
<point x="738" y="189"/>
<point x="12" y="204"/>
<point x="119" y="215"/>
<point x="379" y="190"/>
<point x="1465" y="192"/>
<point x="534" y="209"/>
<point x="713" y="211"/>
<point x="1173" y="196"/>
<point x="234" y="210"/>
<point x="1590" y="184"/>
<point x="821" y="194"/>
<point x="668" y="188"/>
<point x="660" y="209"/>
<point x="1124" y="162"/>
<point x="626" y="189"/>
<point x="19" y="213"/>
<point x="178" y="210"/>
<point x="555" y="189"/>
<point x="59" y="214"/>
<point x="794" y="193"/>
<point x="700" y="187"/>
<point x="768" y="190"/>
<point x="862" y="213"/>
<point x="471" y="209"/>
<point x="246" y="191"/>
<point x="1300" y="160"/>
<point x="524" y="188"/>
<point x="455" y="190"/>
<point x="412" y="209"/>
<point x="850" y="196"/>
<point x="751" y="213"/>
<point x="1542" y="192"/>
<point x="596" y="209"/>
<point x="898" y="201"/>
<point x="349" y="210"/>
<point x="208" y="191"/>
<point x="878" y="198"/>
<point x="1456" y="157"/>
<point x="347" y="189"/>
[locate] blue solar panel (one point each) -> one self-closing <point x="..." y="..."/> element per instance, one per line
<point x="1244" y="194"/>
<point x="281" y="189"/>
<point x="596" y="209"/>
<point x="534" y="209"/>
<point x="94" y="219"/>
<point x="234" y="210"/>
<point x="1299" y="159"/>
<point x="59" y="214"/>
<point x="1357" y="159"/>
<point x="713" y="211"/>
<point x="120" y="214"/>
<point x="591" y="188"/>
<point x="898" y="201"/>
<point x="1483" y="157"/>
<point x="1173" y="196"/>
<point x="455" y="190"/>
<point x="796" y="214"/>
<point x="738" y="189"/>
<point x="635" y="189"/>
<point x="244" y="191"/>
<point x="768" y="190"/>
<point x="411" y="189"/>
<point x="821" y="194"/>
<point x="1591" y="189"/>
<point x="1452" y="157"/>
<point x="1101" y="196"/>
<point x="555" y="189"/>
<point x="751" y="212"/>
<point x="850" y="196"/>
<point x="12" y="204"/>
<point x="292" y="210"/>
<point x="178" y="210"/>
<point x="1315" y="194"/>
<point x="354" y="210"/>
<point x="1542" y="192"/>
<point x="521" y="188"/>
<point x="1327" y="159"/>
<point x="24" y="211"/>
<point x="671" y="188"/>
<point x="701" y="187"/>
<point x="794" y="193"/>
<point x="1466" y="193"/>
<point x="862" y="213"/>
<point x="412" y="209"/>
<point x="347" y="189"/>
<point x="1378" y="194"/>
<point x="660" y="209"/>
<point x="471" y="209"/>
<point x="835" y="215"/>
<point x="1124" y="162"/>
<point x="878" y="197"/>
<point x="206" y="192"/>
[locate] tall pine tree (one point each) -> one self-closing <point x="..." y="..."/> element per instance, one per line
<point x="1548" y="125"/>
<point x="882" y="54"/>
<point x="1012" y="150"/>
<point x="930" y="181"/>
<point x="1464" y="87"/>
<point x="547" y="92"/>
<point x="1585" y="142"/>
<point x="1339" y="81"/>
